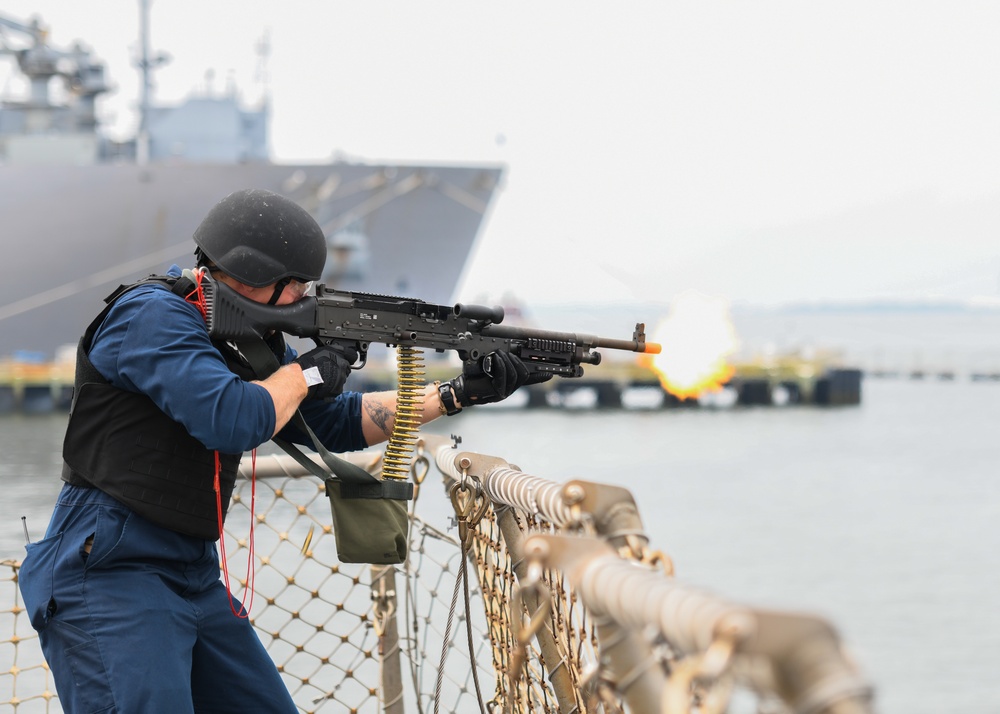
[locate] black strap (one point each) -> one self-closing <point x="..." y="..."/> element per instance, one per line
<point x="355" y="481"/>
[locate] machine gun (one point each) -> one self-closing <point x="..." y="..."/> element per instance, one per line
<point x="360" y="319"/>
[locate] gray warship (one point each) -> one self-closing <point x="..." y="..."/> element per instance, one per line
<point x="81" y="213"/>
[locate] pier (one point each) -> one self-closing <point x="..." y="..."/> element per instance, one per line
<point x="630" y="386"/>
<point x="41" y="388"/>
<point x="838" y="387"/>
<point x="33" y="387"/>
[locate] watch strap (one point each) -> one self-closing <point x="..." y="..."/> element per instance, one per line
<point x="447" y="394"/>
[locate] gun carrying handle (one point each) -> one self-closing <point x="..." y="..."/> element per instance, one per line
<point x="492" y="315"/>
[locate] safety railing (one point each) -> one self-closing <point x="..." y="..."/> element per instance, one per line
<point x="520" y="594"/>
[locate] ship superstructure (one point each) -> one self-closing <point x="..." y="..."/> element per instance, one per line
<point x="81" y="213"/>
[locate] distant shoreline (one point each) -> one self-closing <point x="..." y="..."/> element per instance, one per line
<point x="984" y="306"/>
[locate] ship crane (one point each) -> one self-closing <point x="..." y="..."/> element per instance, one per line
<point x="82" y="75"/>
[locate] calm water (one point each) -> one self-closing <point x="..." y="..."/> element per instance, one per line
<point x="883" y="518"/>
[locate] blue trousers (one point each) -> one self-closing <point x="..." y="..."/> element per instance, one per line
<point x="142" y="622"/>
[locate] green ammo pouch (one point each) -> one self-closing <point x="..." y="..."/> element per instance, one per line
<point x="368" y="529"/>
<point x="370" y="516"/>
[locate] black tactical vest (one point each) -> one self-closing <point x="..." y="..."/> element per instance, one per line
<point x="122" y="443"/>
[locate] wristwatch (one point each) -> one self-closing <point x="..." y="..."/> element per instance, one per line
<point x="447" y="395"/>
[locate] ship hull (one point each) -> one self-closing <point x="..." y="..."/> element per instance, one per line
<point x="71" y="235"/>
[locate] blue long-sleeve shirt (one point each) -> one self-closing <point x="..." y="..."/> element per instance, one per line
<point x="155" y="343"/>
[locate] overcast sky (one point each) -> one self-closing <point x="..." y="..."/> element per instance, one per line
<point x="764" y="152"/>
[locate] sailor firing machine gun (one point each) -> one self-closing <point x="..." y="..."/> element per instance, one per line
<point x="369" y="515"/>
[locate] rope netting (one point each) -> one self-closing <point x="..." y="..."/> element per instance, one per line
<point x="25" y="681"/>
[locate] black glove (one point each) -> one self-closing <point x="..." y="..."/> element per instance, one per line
<point x="326" y="369"/>
<point x="492" y="379"/>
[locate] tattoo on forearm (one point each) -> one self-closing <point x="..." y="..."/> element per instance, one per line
<point x="381" y="415"/>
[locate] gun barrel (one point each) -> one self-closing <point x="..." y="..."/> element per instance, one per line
<point x="649" y="348"/>
<point x="589" y="341"/>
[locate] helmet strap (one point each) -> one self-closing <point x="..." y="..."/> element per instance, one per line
<point x="279" y="287"/>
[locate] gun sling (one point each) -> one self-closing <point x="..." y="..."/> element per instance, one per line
<point x="355" y="481"/>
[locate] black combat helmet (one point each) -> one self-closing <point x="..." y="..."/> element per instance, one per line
<point x="260" y="238"/>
